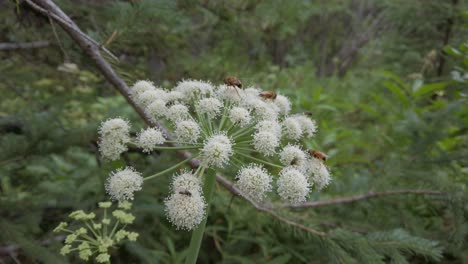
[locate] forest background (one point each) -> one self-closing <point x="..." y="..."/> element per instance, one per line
<point x="386" y="81"/>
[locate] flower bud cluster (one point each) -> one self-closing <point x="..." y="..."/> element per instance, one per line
<point x="95" y="237"/>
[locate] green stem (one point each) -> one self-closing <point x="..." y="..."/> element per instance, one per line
<point x="243" y="131"/>
<point x="197" y="234"/>
<point x="260" y="160"/>
<point x="169" y="169"/>
<point x="176" y="148"/>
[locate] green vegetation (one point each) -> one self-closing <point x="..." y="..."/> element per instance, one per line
<point x="386" y="81"/>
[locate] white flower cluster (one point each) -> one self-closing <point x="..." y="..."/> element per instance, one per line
<point x="123" y="183"/>
<point x="114" y="136"/>
<point x="217" y="151"/>
<point x="148" y="139"/>
<point x="185" y="207"/>
<point x="224" y="127"/>
<point x="254" y="182"/>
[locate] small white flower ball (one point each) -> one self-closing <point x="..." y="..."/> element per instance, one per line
<point x="148" y="139"/>
<point x="186" y="181"/>
<point x="175" y="96"/>
<point x="114" y="135"/>
<point x="210" y="106"/>
<point x="250" y="101"/>
<point x="292" y="128"/>
<point x="147" y="97"/>
<point x="319" y="173"/>
<point x="292" y="186"/>
<point x="252" y="91"/>
<point x="265" y="143"/>
<point x="185" y="211"/>
<point x="192" y="89"/>
<point x="115" y="128"/>
<point x="266" y="111"/>
<point x="292" y="155"/>
<point x="111" y="149"/>
<point x="283" y="103"/>
<point x="123" y="183"/>
<point x="254" y="182"/>
<point x="177" y="112"/>
<point x="229" y="93"/>
<point x="240" y="115"/>
<point x="308" y="125"/>
<point x="271" y="126"/>
<point x="156" y="109"/>
<point x="217" y="151"/>
<point x="187" y="131"/>
<point x="140" y="87"/>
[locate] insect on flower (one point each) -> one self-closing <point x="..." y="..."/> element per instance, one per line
<point x="268" y="95"/>
<point x="234" y="82"/>
<point x="308" y="113"/>
<point x="317" y="154"/>
<point x="185" y="192"/>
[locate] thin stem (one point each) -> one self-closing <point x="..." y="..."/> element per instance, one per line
<point x="104" y="225"/>
<point x="197" y="234"/>
<point x="113" y="229"/>
<point x="91" y="229"/>
<point x="210" y="125"/>
<point x="242" y="130"/>
<point x="176" y="148"/>
<point x="230" y="127"/>
<point x="260" y="160"/>
<point x="223" y="118"/>
<point x="204" y="126"/>
<point x="169" y="169"/>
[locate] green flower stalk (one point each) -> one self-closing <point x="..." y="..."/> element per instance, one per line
<point x="95" y="237"/>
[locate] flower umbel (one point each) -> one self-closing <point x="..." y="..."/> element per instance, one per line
<point x="225" y="128"/>
<point x="99" y="240"/>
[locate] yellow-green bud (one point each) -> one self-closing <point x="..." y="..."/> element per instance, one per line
<point x="132" y="236"/>
<point x="121" y="234"/>
<point x="65" y="250"/>
<point x="126" y="205"/>
<point x="81" y="231"/>
<point x="105" y="204"/>
<point x="123" y="217"/>
<point x="60" y="227"/>
<point x="102" y="258"/>
<point x="85" y="254"/>
<point x="70" y="238"/>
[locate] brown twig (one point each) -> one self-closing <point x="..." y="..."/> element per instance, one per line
<point x="353" y="199"/>
<point x="24" y="45"/>
<point x="265" y="208"/>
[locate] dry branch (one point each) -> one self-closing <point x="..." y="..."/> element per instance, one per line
<point x="24" y="45"/>
<point x="357" y="198"/>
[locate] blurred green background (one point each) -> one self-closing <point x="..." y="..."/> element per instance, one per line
<point x="385" y="80"/>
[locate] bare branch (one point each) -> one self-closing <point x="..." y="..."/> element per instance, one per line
<point x="24" y="45"/>
<point x="357" y="198"/>
<point x="268" y="209"/>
